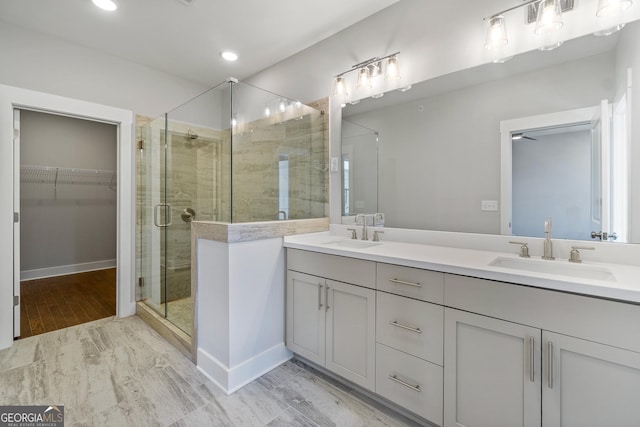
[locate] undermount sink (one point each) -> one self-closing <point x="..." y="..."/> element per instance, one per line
<point x="354" y="244"/>
<point x="558" y="267"/>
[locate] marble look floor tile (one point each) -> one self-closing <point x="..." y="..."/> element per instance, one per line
<point x="291" y="418"/>
<point x="120" y="372"/>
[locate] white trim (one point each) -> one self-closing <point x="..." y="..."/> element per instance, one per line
<point x="13" y="97"/>
<point x="507" y="127"/>
<point x="61" y="270"/>
<point x="232" y="379"/>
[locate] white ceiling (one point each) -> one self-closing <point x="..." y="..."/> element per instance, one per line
<point x="186" y="41"/>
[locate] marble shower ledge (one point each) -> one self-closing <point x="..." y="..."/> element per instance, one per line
<point x="248" y="231"/>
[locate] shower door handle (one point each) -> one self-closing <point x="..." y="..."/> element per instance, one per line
<point x="167" y="214"/>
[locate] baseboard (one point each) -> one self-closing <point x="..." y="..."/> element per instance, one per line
<point x="62" y="270"/>
<point x="230" y="380"/>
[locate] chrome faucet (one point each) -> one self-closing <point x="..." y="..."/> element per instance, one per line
<point x="284" y="215"/>
<point x="365" y="235"/>
<point x="548" y="244"/>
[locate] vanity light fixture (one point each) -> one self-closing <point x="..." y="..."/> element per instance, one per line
<point x="548" y="18"/>
<point x="340" y="86"/>
<point x="496" y="33"/>
<point x="364" y="78"/>
<point x="609" y="10"/>
<point x="392" y="71"/>
<point x="108" y="5"/>
<point x="366" y="72"/>
<point x="548" y="24"/>
<point x="613" y="7"/>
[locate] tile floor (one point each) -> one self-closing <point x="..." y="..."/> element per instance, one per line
<point x="120" y="372"/>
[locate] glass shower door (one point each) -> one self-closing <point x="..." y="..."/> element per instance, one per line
<point x="166" y="210"/>
<point x="154" y="216"/>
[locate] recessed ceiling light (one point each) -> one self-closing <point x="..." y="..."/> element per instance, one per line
<point x="229" y="55"/>
<point x="109" y="5"/>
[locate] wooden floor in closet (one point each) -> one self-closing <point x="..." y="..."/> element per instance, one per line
<point x="58" y="302"/>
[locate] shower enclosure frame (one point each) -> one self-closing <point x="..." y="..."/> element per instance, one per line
<point x="243" y="126"/>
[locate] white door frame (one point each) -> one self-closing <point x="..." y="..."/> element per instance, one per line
<point x="507" y="127"/>
<point x="13" y="97"/>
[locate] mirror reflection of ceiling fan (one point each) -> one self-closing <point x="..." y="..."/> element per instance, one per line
<point x="519" y="136"/>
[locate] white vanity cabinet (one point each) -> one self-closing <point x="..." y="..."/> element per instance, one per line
<point x="503" y="373"/>
<point x="409" y="335"/>
<point x="492" y="371"/>
<point x="589" y="384"/>
<point x="329" y="322"/>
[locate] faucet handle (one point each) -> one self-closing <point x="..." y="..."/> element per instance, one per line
<point x="524" y="249"/>
<point x="574" y="256"/>
<point x="376" y="237"/>
<point x="353" y="233"/>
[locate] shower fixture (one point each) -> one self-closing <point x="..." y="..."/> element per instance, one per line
<point x="191" y="134"/>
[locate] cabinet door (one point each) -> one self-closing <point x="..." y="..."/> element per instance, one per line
<point x="351" y="333"/>
<point x="306" y="316"/>
<point x="492" y="372"/>
<point x="589" y="384"/>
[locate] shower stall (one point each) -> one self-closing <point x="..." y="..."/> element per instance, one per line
<point x="235" y="153"/>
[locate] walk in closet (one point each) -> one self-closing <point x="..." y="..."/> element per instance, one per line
<point x="68" y="192"/>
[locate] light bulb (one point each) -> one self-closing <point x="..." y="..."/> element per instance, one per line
<point x="496" y="33"/>
<point x="364" y="78"/>
<point x="267" y="111"/>
<point x="392" y="72"/>
<point x="282" y="106"/>
<point x="612" y="7"/>
<point x="549" y="17"/>
<point x="340" y="87"/>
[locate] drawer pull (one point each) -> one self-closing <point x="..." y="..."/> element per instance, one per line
<point x="399" y="381"/>
<point x="408" y="328"/>
<point x="403" y="282"/>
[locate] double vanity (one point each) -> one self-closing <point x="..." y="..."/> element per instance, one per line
<point x="464" y="337"/>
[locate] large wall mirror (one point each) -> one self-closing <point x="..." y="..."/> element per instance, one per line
<point x="501" y="147"/>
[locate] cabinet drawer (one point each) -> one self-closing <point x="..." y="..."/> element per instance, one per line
<point x="410" y="382"/>
<point x="409" y="325"/>
<point x="343" y="269"/>
<point x="411" y="282"/>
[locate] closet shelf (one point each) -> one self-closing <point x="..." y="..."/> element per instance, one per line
<point x="55" y="175"/>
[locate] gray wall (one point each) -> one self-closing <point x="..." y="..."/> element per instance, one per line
<point x="440" y="156"/>
<point x="74" y="223"/>
<point x="552" y="179"/>
<point x="34" y="61"/>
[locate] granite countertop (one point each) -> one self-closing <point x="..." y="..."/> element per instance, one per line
<point x="618" y="281"/>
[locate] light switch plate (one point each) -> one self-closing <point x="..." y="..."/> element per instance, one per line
<point x="333" y="167"/>
<point x="489" y="205"/>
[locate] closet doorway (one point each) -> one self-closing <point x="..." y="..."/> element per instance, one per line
<point x="68" y="224"/>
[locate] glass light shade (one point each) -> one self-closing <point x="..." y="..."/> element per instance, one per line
<point x="364" y="78"/>
<point x="549" y="17"/>
<point x="496" y="33"/>
<point x="282" y="106"/>
<point x="612" y="7"/>
<point x="392" y="71"/>
<point x="340" y="87"/>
